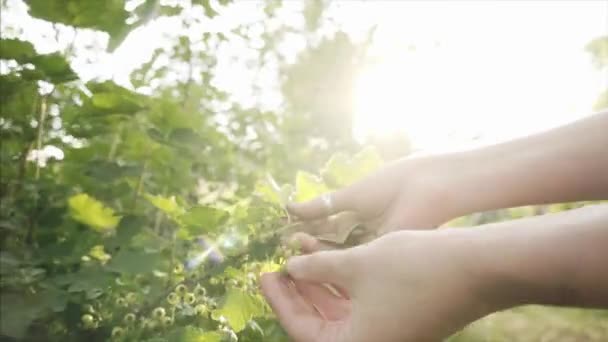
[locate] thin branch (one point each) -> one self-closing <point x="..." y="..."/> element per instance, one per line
<point x="41" y="119"/>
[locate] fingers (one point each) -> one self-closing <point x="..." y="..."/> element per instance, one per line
<point x="329" y="306"/>
<point x="308" y="244"/>
<point x="325" y="205"/>
<point x="296" y="315"/>
<point x="334" y="267"/>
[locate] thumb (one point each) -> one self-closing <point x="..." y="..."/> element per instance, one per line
<point x="334" y="267"/>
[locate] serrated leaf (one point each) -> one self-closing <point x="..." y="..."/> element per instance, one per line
<point x="202" y="220"/>
<point x="93" y="213"/>
<point x="110" y="102"/>
<point x="55" y="67"/>
<point x="308" y="186"/>
<point x="134" y="262"/>
<point x="341" y="171"/>
<point x="16" y="49"/>
<point x="167" y="204"/>
<point x="239" y="307"/>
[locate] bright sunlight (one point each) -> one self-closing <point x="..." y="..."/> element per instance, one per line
<point x="489" y="72"/>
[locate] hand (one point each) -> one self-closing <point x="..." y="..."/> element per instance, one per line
<point x="395" y="290"/>
<point x="411" y="193"/>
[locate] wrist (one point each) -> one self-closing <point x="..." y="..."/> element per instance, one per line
<point x="445" y="182"/>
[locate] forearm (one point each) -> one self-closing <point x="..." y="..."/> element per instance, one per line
<point x="558" y="259"/>
<point x="566" y="164"/>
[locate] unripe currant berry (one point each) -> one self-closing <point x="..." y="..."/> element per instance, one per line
<point x="178" y="269"/>
<point x="129" y="318"/>
<point x="173" y="298"/>
<point x="118" y="332"/>
<point x="158" y="313"/>
<point x="88" y="321"/>
<point x="181" y="289"/>
<point x="131" y="297"/>
<point x="189" y="298"/>
<point x="121" y="302"/>
<point x="200" y="290"/>
<point x="200" y="309"/>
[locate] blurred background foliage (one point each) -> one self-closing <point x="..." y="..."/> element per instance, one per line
<point x="108" y="189"/>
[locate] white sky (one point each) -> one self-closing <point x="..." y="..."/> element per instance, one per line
<point x="449" y="71"/>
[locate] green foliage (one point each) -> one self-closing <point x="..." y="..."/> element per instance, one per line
<point x="239" y="307"/>
<point x="598" y="48"/>
<point x="91" y="212"/>
<point x="160" y="216"/>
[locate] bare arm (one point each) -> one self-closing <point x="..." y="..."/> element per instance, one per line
<point x="425" y="285"/>
<point x="557" y="259"/>
<point x="569" y="163"/>
<point x="566" y="164"/>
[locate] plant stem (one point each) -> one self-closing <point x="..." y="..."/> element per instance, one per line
<point x="41" y="119"/>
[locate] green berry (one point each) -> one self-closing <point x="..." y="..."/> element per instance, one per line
<point x="200" y="309"/>
<point x="189" y="298"/>
<point x="121" y="301"/>
<point x="118" y="332"/>
<point x="173" y="298"/>
<point x="181" y="289"/>
<point x="129" y="318"/>
<point x="88" y="321"/>
<point x="158" y="313"/>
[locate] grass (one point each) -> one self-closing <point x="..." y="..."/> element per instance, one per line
<point x="538" y="323"/>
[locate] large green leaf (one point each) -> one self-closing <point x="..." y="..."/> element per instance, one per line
<point x="93" y="213"/>
<point x="16" y="49"/>
<point x="109" y="102"/>
<point x="55" y="67"/>
<point x="202" y="220"/>
<point x="168" y="205"/>
<point x="16" y="314"/>
<point x="109" y="16"/>
<point x="239" y="307"/>
<point x="271" y="192"/>
<point x="134" y="262"/>
<point x="107" y="171"/>
<point x="110" y="98"/>
<point x="341" y="171"/>
<point x="308" y="186"/>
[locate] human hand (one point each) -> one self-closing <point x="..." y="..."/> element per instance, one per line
<point x="411" y="192"/>
<point x="393" y="289"/>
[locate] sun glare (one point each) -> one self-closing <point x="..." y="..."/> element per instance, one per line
<point x="476" y="78"/>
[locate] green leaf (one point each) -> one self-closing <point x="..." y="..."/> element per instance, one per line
<point x="239" y="307"/>
<point x="16" y="314"/>
<point x="598" y="48"/>
<point x="134" y="262"/>
<point x="108" y="16"/>
<point x="308" y="186"/>
<point x="16" y="49"/>
<point x="109" y="102"/>
<point x="107" y="171"/>
<point x="341" y="171"/>
<point x="129" y="227"/>
<point x="55" y="68"/>
<point x="271" y="192"/>
<point x="168" y="205"/>
<point x="184" y="137"/>
<point x="93" y="213"/>
<point x="193" y="334"/>
<point x="202" y="220"/>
